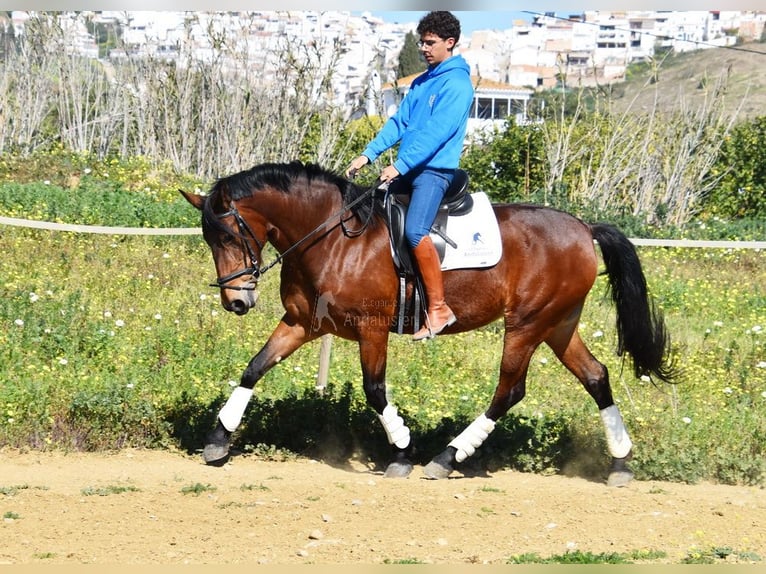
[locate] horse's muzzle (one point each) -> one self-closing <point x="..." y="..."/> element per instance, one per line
<point x="241" y="302"/>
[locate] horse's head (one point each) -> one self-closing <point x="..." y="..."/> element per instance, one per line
<point x="236" y="245"/>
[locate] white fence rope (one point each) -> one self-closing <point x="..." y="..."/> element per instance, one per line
<point x="98" y="228"/>
<point x="13" y="221"/>
<point x="700" y="243"/>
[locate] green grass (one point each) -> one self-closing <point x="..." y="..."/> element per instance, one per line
<point x="44" y="555"/>
<point x="260" y="487"/>
<point x="107" y="490"/>
<point x="491" y="489"/>
<point x="571" y="557"/>
<point x="93" y="205"/>
<point x="198" y="488"/>
<point x="719" y="554"/>
<point x="713" y="555"/>
<point x="117" y="341"/>
<point x="12" y="490"/>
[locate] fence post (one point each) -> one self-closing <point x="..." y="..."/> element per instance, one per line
<point x="324" y="362"/>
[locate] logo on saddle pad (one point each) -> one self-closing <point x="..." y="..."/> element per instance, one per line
<point x="476" y="236"/>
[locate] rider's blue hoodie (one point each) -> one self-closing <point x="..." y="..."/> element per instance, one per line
<point x="431" y="121"/>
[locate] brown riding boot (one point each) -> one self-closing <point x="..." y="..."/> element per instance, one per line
<point x="439" y="314"/>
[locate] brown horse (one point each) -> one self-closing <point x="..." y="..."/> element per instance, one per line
<point x="334" y="247"/>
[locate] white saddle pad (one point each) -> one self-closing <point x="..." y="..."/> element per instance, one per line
<point x="477" y="236"/>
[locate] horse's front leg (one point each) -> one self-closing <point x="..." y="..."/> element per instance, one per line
<point x="373" y="353"/>
<point x="282" y="343"/>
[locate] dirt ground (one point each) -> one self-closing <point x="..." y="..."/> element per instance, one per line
<point x="151" y="507"/>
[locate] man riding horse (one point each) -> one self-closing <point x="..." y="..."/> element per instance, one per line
<point x="429" y="126"/>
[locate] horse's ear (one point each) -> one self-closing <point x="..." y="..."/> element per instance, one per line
<point x="196" y="200"/>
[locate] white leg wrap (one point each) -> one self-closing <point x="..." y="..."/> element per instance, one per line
<point x="231" y="413"/>
<point x="472" y="437"/>
<point x="617" y="438"/>
<point x="397" y="433"/>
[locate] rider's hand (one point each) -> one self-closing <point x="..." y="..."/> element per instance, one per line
<point x="356" y="165"/>
<point x="389" y="172"/>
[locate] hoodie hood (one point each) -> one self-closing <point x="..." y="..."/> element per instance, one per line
<point x="452" y="63"/>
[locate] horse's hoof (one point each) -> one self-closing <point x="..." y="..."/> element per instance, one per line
<point x="215" y="455"/>
<point x="620" y="474"/>
<point x="216" y="451"/>
<point x="436" y="470"/>
<point x="398" y="469"/>
<point x="441" y="466"/>
<point x="619" y="478"/>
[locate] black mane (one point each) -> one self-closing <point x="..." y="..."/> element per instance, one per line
<point x="281" y="176"/>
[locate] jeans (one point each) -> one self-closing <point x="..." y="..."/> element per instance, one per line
<point x="428" y="189"/>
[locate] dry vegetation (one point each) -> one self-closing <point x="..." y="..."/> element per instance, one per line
<point x="206" y="117"/>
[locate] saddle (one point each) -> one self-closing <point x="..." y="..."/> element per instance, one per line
<point x="457" y="201"/>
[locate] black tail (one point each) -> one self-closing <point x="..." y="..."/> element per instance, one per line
<point x="641" y="329"/>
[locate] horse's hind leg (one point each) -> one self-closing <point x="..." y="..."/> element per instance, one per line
<point x="510" y="390"/>
<point x="594" y="376"/>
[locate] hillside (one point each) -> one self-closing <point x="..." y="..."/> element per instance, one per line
<point x="691" y="76"/>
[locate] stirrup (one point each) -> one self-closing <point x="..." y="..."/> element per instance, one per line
<point x="426" y="332"/>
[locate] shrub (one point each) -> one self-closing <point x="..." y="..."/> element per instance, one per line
<point x="742" y="165"/>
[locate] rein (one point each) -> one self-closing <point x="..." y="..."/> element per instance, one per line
<point x="245" y="231"/>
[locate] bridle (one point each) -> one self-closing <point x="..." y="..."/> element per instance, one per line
<point x="246" y="234"/>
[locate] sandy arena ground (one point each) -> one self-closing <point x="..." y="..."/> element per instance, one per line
<point x="153" y="507"/>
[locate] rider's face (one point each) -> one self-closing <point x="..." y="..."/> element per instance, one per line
<point x="435" y="49"/>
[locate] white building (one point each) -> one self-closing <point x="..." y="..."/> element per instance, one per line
<point x="590" y="47"/>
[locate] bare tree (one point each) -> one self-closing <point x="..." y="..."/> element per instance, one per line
<point x="209" y="108"/>
<point x="657" y="164"/>
<point x="26" y="87"/>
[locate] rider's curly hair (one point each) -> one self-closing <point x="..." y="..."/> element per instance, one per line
<point x="442" y="23"/>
